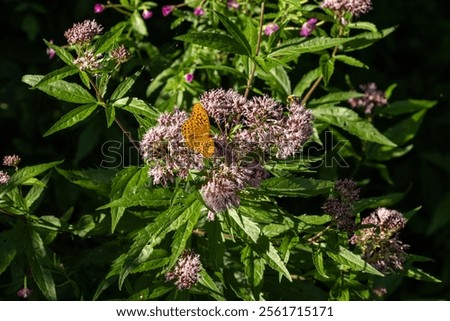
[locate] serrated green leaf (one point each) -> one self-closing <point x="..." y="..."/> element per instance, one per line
<point x="327" y="67"/>
<point x="61" y="53"/>
<point x="407" y="106"/>
<point x="71" y="118"/>
<point x="214" y="40"/>
<point x="379" y="201"/>
<point x="125" y="86"/>
<point x="250" y="232"/>
<point x="151" y="235"/>
<point x="98" y="180"/>
<point x="352" y="261"/>
<point x="110" y="113"/>
<point x="136" y="107"/>
<point x="57" y="75"/>
<point x="365" y="39"/>
<point x="317" y="258"/>
<point x="306" y="81"/>
<point x="61" y="89"/>
<point x="36" y="191"/>
<point x="110" y="39"/>
<point x="420" y="275"/>
<point x="334" y="98"/>
<point x="351" y="61"/>
<point x="235" y="32"/>
<point x="36" y="255"/>
<point x="295" y="186"/>
<point x="24" y="174"/>
<point x="293" y="49"/>
<point x="207" y="282"/>
<point x="254" y="270"/>
<point x="138" y="23"/>
<point x="350" y="121"/>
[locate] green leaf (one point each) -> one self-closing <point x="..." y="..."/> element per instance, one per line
<point x="24" y="174"/>
<point x="136" y="106"/>
<point x="352" y="261"/>
<point x="306" y="81"/>
<point x="138" y="23"/>
<point x="151" y="235"/>
<point x="317" y="258"/>
<point x="254" y="270"/>
<point x="363" y="25"/>
<point x="110" y="113"/>
<point x="61" y="53"/>
<point x="278" y="79"/>
<point x="207" y="282"/>
<point x="125" y="86"/>
<point x="36" y="255"/>
<point x="379" y="201"/>
<point x="350" y="121"/>
<point x="400" y="133"/>
<point x="183" y="234"/>
<point x="8" y="248"/>
<point x="407" y="106"/>
<point x="366" y="39"/>
<point x="351" y="61"/>
<point x="71" y="118"/>
<point x="57" y="75"/>
<point x="61" y="89"/>
<point x="97" y="180"/>
<point x="216" y="243"/>
<point x="214" y="40"/>
<point x="420" y="275"/>
<point x="327" y="67"/>
<point x="334" y="98"/>
<point x="295" y="186"/>
<point x="110" y="39"/>
<point x="293" y="49"/>
<point x="36" y="191"/>
<point x="250" y="232"/>
<point x="235" y="32"/>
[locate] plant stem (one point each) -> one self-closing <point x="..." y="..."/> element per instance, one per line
<point x="258" y="47"/>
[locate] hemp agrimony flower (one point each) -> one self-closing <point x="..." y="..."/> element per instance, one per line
<point x="378" y="240"/>
<point x="4" y="178"/>
<point x="372" y="98"/>
<point x="120" y="54"/>
<point x="89" y="61"/>
<point x="340" y="206"/>
<point x="83" y="32"/>
<point x="186" y="272"/>
<point x="355" y="7"/>
<point x="11" y="160"/>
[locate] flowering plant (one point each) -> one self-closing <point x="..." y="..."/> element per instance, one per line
<point x="261" y="183"/>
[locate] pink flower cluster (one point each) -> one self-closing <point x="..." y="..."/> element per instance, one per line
<point x="187" y="269"/>
<point x="355" y="7"/>
<point x="250" y="133"/>
<point x="83" y="32"/>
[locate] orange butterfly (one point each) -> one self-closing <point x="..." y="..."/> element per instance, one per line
<point x="196" y="131"/>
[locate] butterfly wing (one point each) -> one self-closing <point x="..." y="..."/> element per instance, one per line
<point x="196" y="131"/>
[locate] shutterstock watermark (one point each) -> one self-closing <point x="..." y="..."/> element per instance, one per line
<point x="122" y="154"/>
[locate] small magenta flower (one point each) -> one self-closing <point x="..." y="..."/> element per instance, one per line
<point x="50" y="51"/>
<point x="167" y="10"/>
<point x="98" y="8"/>
<point x="308" y="27"/>
<point x="199" y="11"/>
<point x="147" y="14"/>
<point x="4" y="178"/>
<point x="187" y="270"/>
<point x="271" y="28"/>
<point x="189" y="77"/>
<point x="232" y="4"/>
<point x="24" y="293"/>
